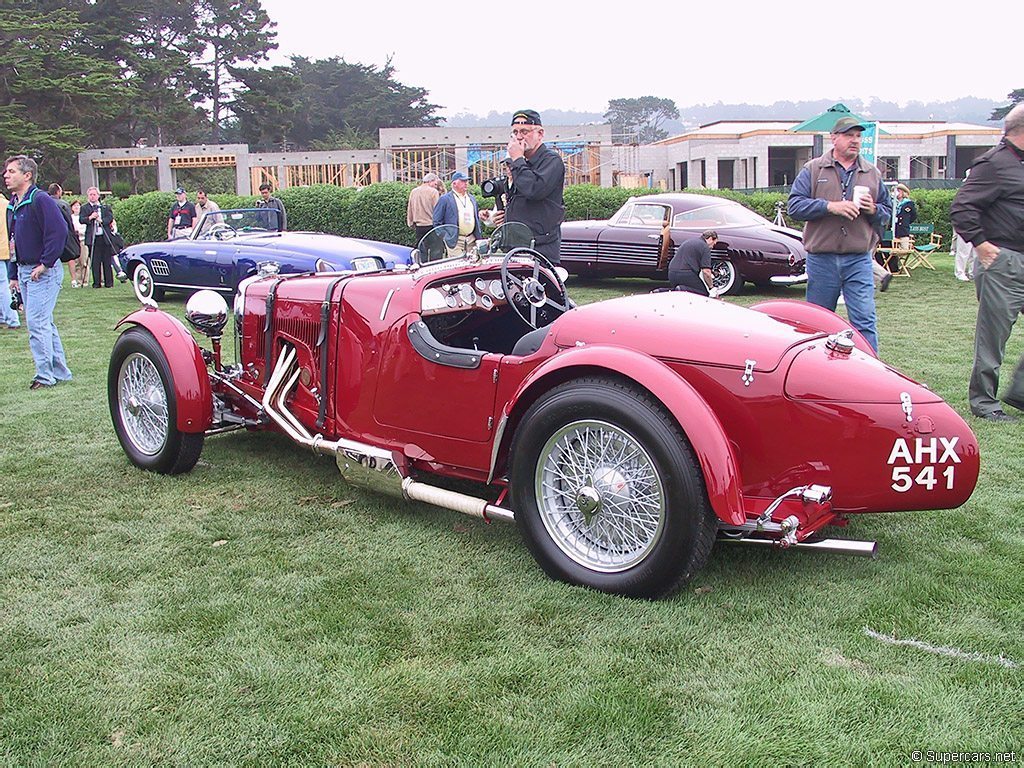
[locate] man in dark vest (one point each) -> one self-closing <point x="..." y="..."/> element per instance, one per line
<point x="845" y="204"/>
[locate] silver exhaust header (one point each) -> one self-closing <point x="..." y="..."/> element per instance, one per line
<point x="362" y="465"/>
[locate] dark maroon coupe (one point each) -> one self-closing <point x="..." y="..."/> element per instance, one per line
<point x="750" y="248"/>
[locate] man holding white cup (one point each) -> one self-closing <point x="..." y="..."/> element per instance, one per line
<point x="846" y="204"/>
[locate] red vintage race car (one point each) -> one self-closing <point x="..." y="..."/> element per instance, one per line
<point x="622" y="437"/>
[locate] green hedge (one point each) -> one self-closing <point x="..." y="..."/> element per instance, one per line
<point x="377" y="212"/>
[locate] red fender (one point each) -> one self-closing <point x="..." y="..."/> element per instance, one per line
<point x="705" y="432"/>
<point x="813" y="316"/>
<point x="188" y="369"/>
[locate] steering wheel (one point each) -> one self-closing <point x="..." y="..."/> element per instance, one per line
<point x="220" y="232"/>
<point x="529" y="295"/>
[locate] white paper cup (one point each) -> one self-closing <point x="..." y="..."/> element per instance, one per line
<point x="860" y="194"/>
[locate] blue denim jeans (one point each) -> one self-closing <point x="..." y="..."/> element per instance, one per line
<point x="7" y="315"/>
<point x="829" y="274"/>
<point x="40" y="297"/>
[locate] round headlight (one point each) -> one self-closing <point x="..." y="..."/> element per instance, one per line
<point x="207" y="312"/>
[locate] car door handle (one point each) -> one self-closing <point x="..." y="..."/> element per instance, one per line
<point x="655" y="237"/>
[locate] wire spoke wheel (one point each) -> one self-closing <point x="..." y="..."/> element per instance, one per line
<point x="144" y="406"/>
<point x="600" y="496"/>
<point x="142" y="401"/>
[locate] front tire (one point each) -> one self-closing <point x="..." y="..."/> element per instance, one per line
<point x="726" y="278"/>
<point x="607" y="492"/>
<point x="140" y="390"/>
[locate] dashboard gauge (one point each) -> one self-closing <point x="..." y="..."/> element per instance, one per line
<point x="486" y="301"/>
<point x="496" y="290"/>
<point x="467" y="294"/>
<point x="480" y="284"/>
<point x="451" y="301"/>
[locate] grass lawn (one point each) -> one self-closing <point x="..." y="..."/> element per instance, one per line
<point x="258" y="611"/>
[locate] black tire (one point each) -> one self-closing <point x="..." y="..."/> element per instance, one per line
<point x="727" y="279"/>
<point x="140" y="390"/>
<point x="566" y="512"/>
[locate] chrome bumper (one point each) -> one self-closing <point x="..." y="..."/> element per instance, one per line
<point x="789" y="279"/>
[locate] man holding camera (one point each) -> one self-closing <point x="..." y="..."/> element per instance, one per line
<point x="538" y="177"/>
<point x="38" y="233"/>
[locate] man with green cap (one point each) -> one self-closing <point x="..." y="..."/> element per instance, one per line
<point x="845" y="203"/>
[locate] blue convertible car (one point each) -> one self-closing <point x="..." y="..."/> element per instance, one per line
<point x="226" y="247"/>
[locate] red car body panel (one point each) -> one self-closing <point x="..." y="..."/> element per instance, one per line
<point x="765" y="404"/>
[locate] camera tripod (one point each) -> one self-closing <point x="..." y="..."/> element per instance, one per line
<point x="779" y="220"/>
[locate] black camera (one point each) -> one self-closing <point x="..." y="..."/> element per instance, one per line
<point x="16" y="299"/>
<point x="496" y="188"/>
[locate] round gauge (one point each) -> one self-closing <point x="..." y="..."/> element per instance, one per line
<point x="467" y="294"/>
<point x="486" y="301"/>
<point x="496" y="290"/>
<point x="480" y="284"/>
<point x="451" y="301"/>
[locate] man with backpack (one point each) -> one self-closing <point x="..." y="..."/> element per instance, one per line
<point x="38" y="234"/>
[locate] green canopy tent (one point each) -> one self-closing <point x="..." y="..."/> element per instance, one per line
<point x="823" y="123"/>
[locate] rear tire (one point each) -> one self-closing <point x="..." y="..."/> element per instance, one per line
<point x="607" y="491"/>
<point x="145" y="288"/>
<point x="143" y="407"/>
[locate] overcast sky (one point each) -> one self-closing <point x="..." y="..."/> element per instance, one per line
<point x="483" y="56"/>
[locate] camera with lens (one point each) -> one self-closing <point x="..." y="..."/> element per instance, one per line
<point x="16" y="299"/>
<point x="496" y="188"/>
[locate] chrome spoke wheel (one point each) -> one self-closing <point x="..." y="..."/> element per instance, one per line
<point x="724" y="277"/>
<point x="142" y="402"/>
<point x="600" y="496"/>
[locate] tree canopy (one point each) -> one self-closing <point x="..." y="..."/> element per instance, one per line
<point x="105" y="73"/>
<point x="1015" y="97"/>
<point x="639" y="120"/>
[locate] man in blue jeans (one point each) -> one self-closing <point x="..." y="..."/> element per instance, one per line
<point x="841" y="230"/>
<point x="37" y="235"/>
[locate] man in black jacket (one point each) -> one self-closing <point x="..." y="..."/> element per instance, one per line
<point x="988" y="212"/>
<point x="538" y="177"/>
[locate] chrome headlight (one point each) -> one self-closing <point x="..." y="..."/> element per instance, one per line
<point x="264" y="268"/>
<point x="207" y="312"/>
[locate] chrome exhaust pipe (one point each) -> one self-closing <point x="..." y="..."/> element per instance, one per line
<point x="366" y="466"/>
<point x="835" y="546"/>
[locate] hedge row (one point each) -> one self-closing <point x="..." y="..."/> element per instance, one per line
<point x="377" y="212"/>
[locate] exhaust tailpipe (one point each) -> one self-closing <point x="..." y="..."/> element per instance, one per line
<point x="835" y="546"/>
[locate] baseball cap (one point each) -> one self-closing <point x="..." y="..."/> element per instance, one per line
<point x="179" y="191"/>
<point x="844" y="124"/>
<point x="459" y="176"/>
<point x="526" y="117"/>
